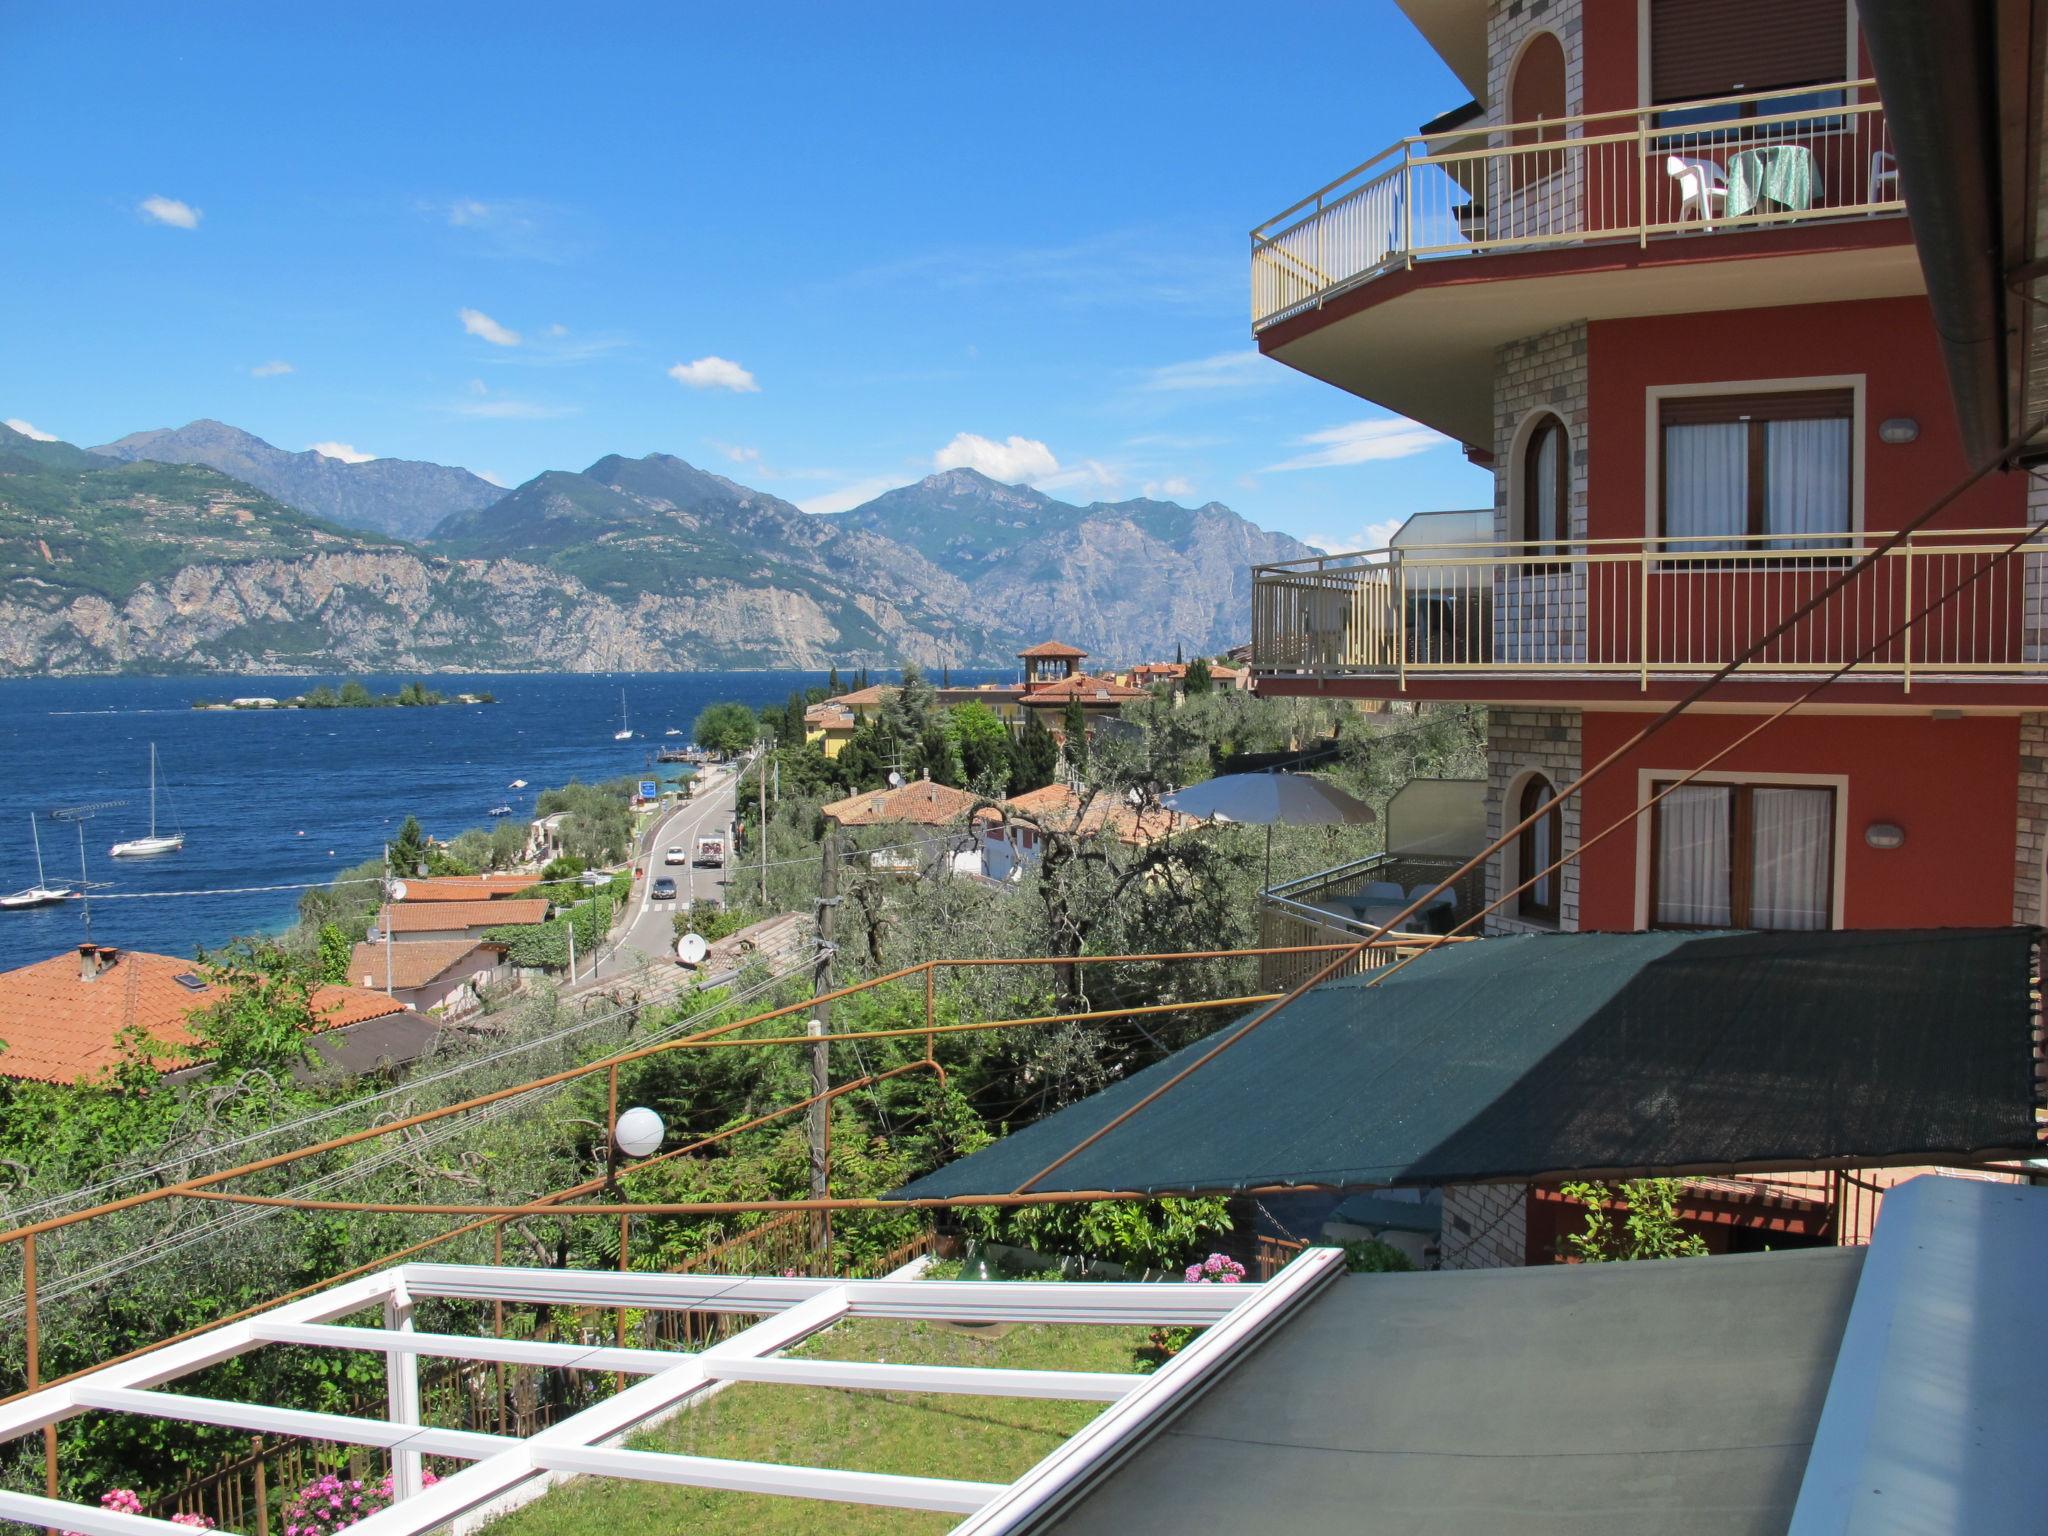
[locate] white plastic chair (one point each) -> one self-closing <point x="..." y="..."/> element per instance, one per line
<point x="1699" y="183"/>
<point x="1884" y="170"/>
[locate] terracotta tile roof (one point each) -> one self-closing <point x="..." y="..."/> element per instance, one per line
<point x="1051" y="650"/>
<point x="1160" y="669"/>
<point x="440" y="916"/>
<point x="829" y="714"/>
<point x="878" y="693"/>
<point x="467" y="887"/>
<point x="923" y="804"/>
<point x="1057" y="808"/>
<point x="415" y="963"/>
<point x="1085" y="688"/>
<point x="58" y="1028"/>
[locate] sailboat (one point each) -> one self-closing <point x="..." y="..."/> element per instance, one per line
<point x="625" y="730"/>
<point x="139" y="847"/>
<point x="41" y="894"/>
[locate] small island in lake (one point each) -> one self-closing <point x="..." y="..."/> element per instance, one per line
<point x="351" y="695"/>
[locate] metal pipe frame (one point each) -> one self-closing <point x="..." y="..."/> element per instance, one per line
<point x="586" y="1443"/>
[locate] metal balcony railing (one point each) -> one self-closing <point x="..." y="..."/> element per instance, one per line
<point x="1732" y="162"/>
<point x="1663" y="607"/>
<point x="1312" y="910"/>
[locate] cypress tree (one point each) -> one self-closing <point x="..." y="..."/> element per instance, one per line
<point x="1034" y="756"/>
<point x="1074" y="722"/>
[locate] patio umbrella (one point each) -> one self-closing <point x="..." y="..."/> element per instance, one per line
<point x="1269" y="800"/>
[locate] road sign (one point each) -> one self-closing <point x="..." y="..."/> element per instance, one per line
<point x="649" y="789"/>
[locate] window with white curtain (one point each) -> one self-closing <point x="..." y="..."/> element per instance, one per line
<point x="1757" y="471"/>
<point x="1743" y="856"/>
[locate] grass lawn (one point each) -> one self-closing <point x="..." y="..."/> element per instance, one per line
<point x="979" y="1439"/>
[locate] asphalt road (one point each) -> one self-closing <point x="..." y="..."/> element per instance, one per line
<point x="650" y="933"/>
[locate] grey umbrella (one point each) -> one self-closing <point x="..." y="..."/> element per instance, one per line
<point x="1269" y="800"/>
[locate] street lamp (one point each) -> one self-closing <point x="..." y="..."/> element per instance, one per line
<point x="639" y="1132"/>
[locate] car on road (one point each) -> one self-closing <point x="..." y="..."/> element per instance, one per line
<point x="676" y="856"/>
<point x="664" y="889"/>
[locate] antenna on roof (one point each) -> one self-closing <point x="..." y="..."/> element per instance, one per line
<point x="78" y="816"/>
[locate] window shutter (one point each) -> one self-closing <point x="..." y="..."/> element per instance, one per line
<point x="1705" y="48"/>
<point x="1786" y="405"/>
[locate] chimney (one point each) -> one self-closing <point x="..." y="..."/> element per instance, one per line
<point x="108" y="955"/>
<point x="88" y="961"/>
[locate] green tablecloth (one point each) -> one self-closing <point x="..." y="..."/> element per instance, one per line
<point x="1781" y="173"/>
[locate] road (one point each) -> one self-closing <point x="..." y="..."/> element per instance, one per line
<point x="650" y="933"/>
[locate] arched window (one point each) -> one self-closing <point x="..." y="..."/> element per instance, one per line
<point x="1546" y="487"/>
<point x="1537" y="849"/>
<point x="1536" y="97"/>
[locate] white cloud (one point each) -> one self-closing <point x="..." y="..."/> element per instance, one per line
<point x="28" y="431"/>
<point x="348" y="453"/>
<point x="1169" y="488"/>
<point x="477" y="323"/>
<point x="1088" y="476"/>
<point x="479" y="387"/>
<point x="1362" y="442"/>
<point x="269" y="370"/>
<point x="1372" y="536"/>
<point x="558" y="329"/>
<point x="1015" y="461"/>
<point x="848" y="496"/>
<point x="1225" y="370"/>
<point x="739" y="453"/>
<point x="168" y="210"/>
<point x="467" y="210"/>
<point x="715" y="373"/>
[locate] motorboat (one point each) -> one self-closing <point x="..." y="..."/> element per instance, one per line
<point x="499" y="810"/>
<point x="517" y="784"/>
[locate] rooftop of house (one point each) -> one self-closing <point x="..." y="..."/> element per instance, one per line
<point x="1089" y="690"/>
<point x="1052" y="650"/>
<point x="441" y="916"/>
<point x="414" y="964"/>
<point x="467" y="887"/>
<point x="1056" y="808"/>
<point x="923" y="804"/>
<point x="832" y="712"/>
<point x="60" y="1018"/>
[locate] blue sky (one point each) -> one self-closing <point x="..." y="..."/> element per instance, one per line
<point x="823" y="249"/>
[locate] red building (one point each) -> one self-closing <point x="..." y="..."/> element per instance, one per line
<point x="1659" y="277"/>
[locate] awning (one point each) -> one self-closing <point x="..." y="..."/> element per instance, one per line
<point x="1539" y="1057"/>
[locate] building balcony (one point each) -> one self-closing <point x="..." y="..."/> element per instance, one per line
<point x="1638" y="612"/>
<point x="1690" y="169"/>
<point x="1346" y="904"/>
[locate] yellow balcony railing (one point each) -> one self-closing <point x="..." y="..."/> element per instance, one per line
<point x="1733" y="162"/>
<point x="1662" y="607"/>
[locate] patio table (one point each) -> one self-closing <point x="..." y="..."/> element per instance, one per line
<point x="1779" y="173"/>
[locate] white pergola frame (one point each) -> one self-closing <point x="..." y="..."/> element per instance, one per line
<point x="588" y="1442"/>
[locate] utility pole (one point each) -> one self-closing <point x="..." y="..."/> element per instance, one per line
<point x="818" y="1120"/>
<point x="761" y="773"/>
<point x="388" y="904"/>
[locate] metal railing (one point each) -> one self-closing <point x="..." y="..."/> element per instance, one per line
<point x="1292" y="914"/>
<point x="1658" y="607"/>
<point x="1729" y="162"/>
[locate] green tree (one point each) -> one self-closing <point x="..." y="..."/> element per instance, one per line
<point x="1649" y="1227"/>
<point x="336" y="944"/>
<point x="984" y="743"/>
<point x="320" y="697"/>
<point x="1198" y="681"/>
<point x="1036" y="757"/>
<point x="935" y="756"/>
<point x="1074" y="724"/>
<point x="864" y="761"/>
<point x="791" y="731"/>
<point x="726" y="727"/>
<point x="409" y="849"/>
<point x="265" y="1017"/>
<point x="355" y="696"/>
<point x="909" y="707"/>
<point x="833" y="687"/>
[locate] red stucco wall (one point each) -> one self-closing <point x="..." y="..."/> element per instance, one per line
<point x="1891" y="342"/>
<point x="1951" y="784"/>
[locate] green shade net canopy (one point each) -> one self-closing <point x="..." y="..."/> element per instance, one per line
<point x="1543" y="1056"/>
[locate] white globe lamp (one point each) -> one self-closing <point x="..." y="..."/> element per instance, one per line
<point x="639" y="1132"/>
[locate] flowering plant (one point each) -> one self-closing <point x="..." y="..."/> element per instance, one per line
<point x="334" y="1503"/>
<point x="125" y="1501"/>
<point x="1217" y="1269"/>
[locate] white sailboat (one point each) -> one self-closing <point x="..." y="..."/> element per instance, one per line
<point x="42" y="893"/>
<point x="140" y="847"/>
<point x="625" y="730"/>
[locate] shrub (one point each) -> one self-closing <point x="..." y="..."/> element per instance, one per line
<point x="334" y="1503"/>
<point x="124" y="1501"/>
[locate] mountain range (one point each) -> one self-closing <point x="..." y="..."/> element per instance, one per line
<point x="206" y="548"/>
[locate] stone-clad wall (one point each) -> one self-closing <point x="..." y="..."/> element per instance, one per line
<point x="1486" y="1226"/>
<point x="1539" y="617"/>
<point x="1516" y="741"/>
<point x="2030" y="845"/>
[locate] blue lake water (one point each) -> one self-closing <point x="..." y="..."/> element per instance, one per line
<point x="278" y="797"/>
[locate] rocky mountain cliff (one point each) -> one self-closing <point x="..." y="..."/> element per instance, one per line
<point x="403" y="497"/>
<point x="647" y="563"/>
